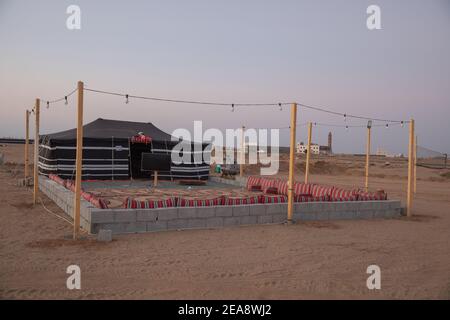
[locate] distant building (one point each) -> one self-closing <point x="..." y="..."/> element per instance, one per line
<point x="315" y="148"/>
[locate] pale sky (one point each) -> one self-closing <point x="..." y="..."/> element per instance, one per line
<point x="314" y="52"/>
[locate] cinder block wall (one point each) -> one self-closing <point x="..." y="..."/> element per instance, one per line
<point x="149" y="220"/>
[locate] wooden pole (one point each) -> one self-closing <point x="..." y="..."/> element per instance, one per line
<point x="241" y="167"/>
<point x="155" y="179"/>
<point x="27" y="141"/>
<point x="369" y="128"/>
<point x="79" y="163"/>
<point x="410" y="169"/>
<point x="415" y="165"/>
<point x="291" y="162"/>
<point x="308" y="152"/>
<point x="36" y="152"/>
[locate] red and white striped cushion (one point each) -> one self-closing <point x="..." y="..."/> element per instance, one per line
<point x="371" y="196"/>
<point x="182" y="202"/>
<point x="339" y="194"/>
<point x="319" y="191"/>
<point x="269" y="184"/>
<point x="302" y="189"/>
<point x="272" y="199"/>
<point x="311" y="199"/>
<point x="231" y="201"/>
<point x="282" y="187"/>
<point x="253" y="183"/>
<point x="130" y="203"/>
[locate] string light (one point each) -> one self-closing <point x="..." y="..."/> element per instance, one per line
<point x="66" y="103"/>
<point x="346" y="128"/>
<point x="232" y="107"/>
<point x="401" y="123"/>
<point x="48" y="104"/>
<point x="281" y="108"/>
<point x="126" y="98"/>
<point x="387" y="125"/>
<point x="316" y="108"/>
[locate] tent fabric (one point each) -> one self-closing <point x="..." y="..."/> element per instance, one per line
<point x="108" y="152"/>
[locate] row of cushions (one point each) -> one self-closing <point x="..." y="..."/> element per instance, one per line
<point x="314" y="191"/>
<point x="130" y="203"/>
<point x="69" y="184"/>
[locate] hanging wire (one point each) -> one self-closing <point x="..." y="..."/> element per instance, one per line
<point x="186" y="101"/>
<point x="316" y="108"/>
<point x="64" y="98"/>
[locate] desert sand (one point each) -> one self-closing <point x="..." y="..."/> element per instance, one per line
<point x="324" y="260"/>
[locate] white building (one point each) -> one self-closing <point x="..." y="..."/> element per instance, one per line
<point x="301" y="148"/>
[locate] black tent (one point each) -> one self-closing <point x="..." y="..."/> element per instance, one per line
<point x="110" y="153"/>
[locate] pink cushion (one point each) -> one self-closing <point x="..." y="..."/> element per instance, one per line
<point x="371" y="196"/>
<point x="253" y="183"/>
<point x="182" y="202"/>
<point x="319" y="191"/>
<point x="230" y="201"/>
<point x="272" y="198"/>
<point x="302" y="189"/>
<point x="269" y="184"/>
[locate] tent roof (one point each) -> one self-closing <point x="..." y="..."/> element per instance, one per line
<point x="104" y="128"/>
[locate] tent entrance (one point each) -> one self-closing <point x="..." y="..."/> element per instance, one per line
<point x="136" y="151"/>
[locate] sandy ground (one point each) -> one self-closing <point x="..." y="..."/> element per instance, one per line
<point x="325" y="260"/>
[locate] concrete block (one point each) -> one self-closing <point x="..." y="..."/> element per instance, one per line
<point x="178" y="224"/>
<point x="146" y="215"/>
<point x="310" y="216"/>
<point x="101" y="216"/>
<point x="257" y="209"/>
<point x="394" y="204"/>
<point x="231" y="221"/>
<point x="135" y="227"/>
<point x="323" y="215"/>
<point x="239" y="211"/>
<point x="274" y="208"/>
<point x="279" y="218"/>
<point x="167" y="214"/>
<point x="206" y="212"/>
<point x="125" y="215"/>
<point x="265" y="219"/>
<point x="248" y="220"/>
<point x="116" y="228"/>
<point x="366" y="214"/>
<point x="196" y="223"/>
<point x="366" y="205"/>
<point x="187" y="213"/>
<point x="343" y="215"/>
<point x="104" y="235"/>
<point x="216" y="222"/>
<point x="160" y="225"/>
<point x="224" y="211"/>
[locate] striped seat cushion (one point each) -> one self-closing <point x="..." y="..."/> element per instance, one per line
<point x="253" y="183"/>
<point x="183" y="202"/>
<point x="57" y="179"/>
<point x="320" y="191"/>
<point x="130" y="203"/>
<point x="98" y="202"/>
<point x="368" y="196"/>
<point x="303" y="198"/>
<point x="272" y="198"/>
<point x="232" y="201"/>
<point x="282" y="186"/>
<point x="339" y="194"/>
<point x="269" y="185"/>
<point x="301" y="189"/>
